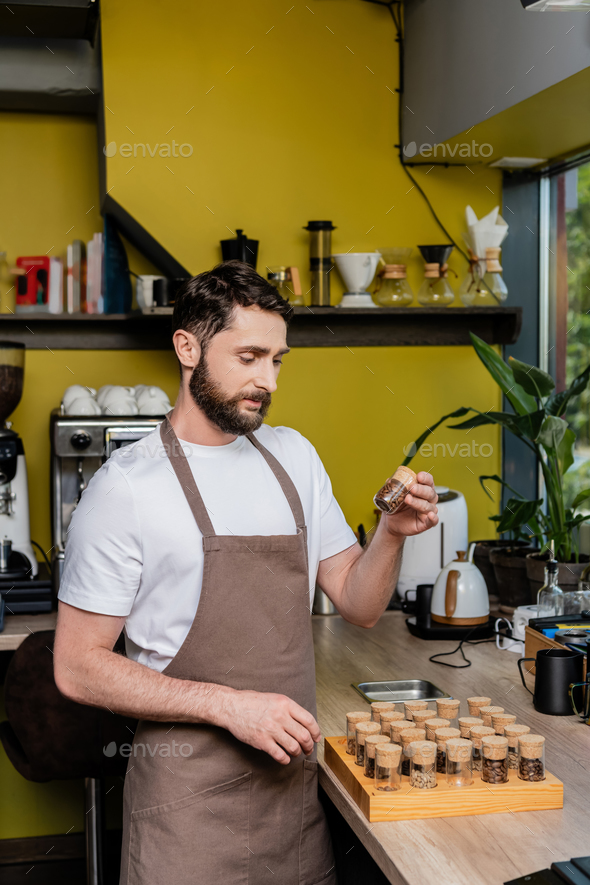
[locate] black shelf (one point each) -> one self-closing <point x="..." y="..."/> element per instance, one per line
<point x="310" y="327"/>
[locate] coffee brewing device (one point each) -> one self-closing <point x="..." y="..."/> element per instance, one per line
<point x="320" y="261"/>
<point x="80" y="445"/>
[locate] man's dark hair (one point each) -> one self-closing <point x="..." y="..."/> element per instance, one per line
<point x="205" y="304"/>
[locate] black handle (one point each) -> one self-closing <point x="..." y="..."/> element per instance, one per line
<point x="522" y="661"/>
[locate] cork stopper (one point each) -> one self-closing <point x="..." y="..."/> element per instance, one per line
<point x="487" y="712"/>
<point x="394" y="272"/>
<point x="494" y="747"/>
<point x="475" y="704"/>
<point x="411" y="734"/>
<point x="513" y="732"/>
<point x="466" y="723"/>
<point x="388" y="755"/>
<point x="431" y="269"/>
<point x="365" y="728"/>
<point x="431" y="726"/>
<point x="387" y="718"/>
<point x="493" y="259"/>
<point x="501" y="720"/>
<point x="422" y="752"/>
<point x="459" y="750"/>
<point x="405" y="475"/>
<point x="530" y="746"/>
<point x="419" y="717"/>
<point x="396" y="728"/>
<point x="447" y="708"/>
<point x="390" y="496"/>
<point x="411" y="706"/>
<point x="353" y="718"/>
<point x="381" y="707"/>
<point x="442" y="735"/>
<point x="478" y="732"/>
<point x="371" y="742"/>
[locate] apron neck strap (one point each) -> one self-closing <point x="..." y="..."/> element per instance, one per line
<point x="186" y="479"/>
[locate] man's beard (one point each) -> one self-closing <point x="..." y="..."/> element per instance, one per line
<point x="220" y="410"/>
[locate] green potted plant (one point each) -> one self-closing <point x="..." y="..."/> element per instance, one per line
<point x="537" y="420"/>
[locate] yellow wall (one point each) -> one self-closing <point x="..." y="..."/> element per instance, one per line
<point x="300" y="128"/>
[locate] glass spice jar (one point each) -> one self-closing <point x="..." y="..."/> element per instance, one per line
<point x="448" y="708"/>
<point x="487" y="712"/>
<point x="441" y="736"/>
<point x="411" y="706"/>
<point x="513" y="732"/>
<point x="396" y="728"/>
<point x="362" y="730"/>
<point x="431" y="726"/>
<point x="386" y="719"/>
<point x="391" y="495"/>
<point x="406" y="738"/>
<point x="423" y="764"/>
<point x="478" y="732"/>
<point x="531" y="757"/>
<point x="419" y="717"/>
<point x="459" y="762"/>
<point x="501" y="720"/>
<point x="381" y="707"/>
<point x="352" y="720"/>
<point x="494" y="765"/>
<point x="387" y="767"/>
<point x="372" y="741"/>
<point x="475" y="704"/>
<point x="466" y="723"/>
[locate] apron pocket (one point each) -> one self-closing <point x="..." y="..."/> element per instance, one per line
<point x="194" y="840"/>
<point x="316" y="860"/>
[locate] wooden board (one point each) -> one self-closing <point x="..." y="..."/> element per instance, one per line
<point x="410" y="803"/>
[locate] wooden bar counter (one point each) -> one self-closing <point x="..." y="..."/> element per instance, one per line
<point x="487" y="849"/>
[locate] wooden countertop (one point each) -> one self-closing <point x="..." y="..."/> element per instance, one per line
<point x="487" y="849"/>
<point x="18" y="627"/>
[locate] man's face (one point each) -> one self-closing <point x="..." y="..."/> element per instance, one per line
<point x="234" y="380"/>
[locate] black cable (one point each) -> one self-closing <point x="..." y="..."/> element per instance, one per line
<point x="444" y="654"/>
<point x="39" y="547"/>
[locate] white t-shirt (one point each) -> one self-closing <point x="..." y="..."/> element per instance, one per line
<point x="134" y="548"/>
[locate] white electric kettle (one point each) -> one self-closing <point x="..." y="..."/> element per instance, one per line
<point x="460" y="594"/>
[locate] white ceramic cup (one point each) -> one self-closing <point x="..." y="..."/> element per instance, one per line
<point x="155" y="407"/>
<point x="83" y="405"/>
<point x="76" y="391"/>
<point x="121" y="406"/>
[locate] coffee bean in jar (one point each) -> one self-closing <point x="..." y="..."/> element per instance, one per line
<point x="441" y="736"/>
<point x="392" y="494"/>
<point x="362" y="730"/>
<point x="513" y="732"/>
<point x="387" y="767"/>
<point x="476" y="735"/>
<point x="466" y="723"/>
<point x="407" y="737"/>
<point x="379" y="707"/>
<point x="386" y="719"/>
<point x="475" y="705"/>
<point x="422" y="764"/>
<point x="371" y="742"/>
<point x="487" y="712"/>
<point x="531" y="757"/>
<point x="494" y="750"/>
<point x="431" y="725"/>
<point x="501" y="720"/>
<point x="352" y="720"/>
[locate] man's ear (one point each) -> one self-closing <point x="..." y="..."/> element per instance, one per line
<point x="188" y="349"/>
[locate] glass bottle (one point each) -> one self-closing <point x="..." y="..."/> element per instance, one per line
<point x="422" y="764"/>
<point x="392" y="287"/>
<point x="494" y="751"/>
<point x="379" y="707"/>
<point x="352" y="720"/>
<point x="459" y="767"/>
<point x="371" y="743"/>
<point x="387" y="767"/>
<point x="513" y="733"/>
<point x="478" y="732"/>
<point x="448" y="708"/>
<point x="550" y="601"/>
<point x="362" y="730"/>
<point x="441" y="737"/>
<point x="531" y="757"/>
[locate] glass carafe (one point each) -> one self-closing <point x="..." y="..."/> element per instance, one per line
<point x="392" y="287"/>
<point x="435" y="290"/>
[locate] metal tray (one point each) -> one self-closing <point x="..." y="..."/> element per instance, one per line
<point x="399" y="690"/>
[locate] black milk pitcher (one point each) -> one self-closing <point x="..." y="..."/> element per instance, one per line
<point x="556" y="670"/>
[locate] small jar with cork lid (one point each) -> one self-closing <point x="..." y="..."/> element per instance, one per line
<point x="352" y="720"/>
<point x="396" y="728"/>
<point x="422" y="764"/>
<point x="475" y="705"/>
<point x="513" y="732"/>
<point x="441" y="736"/>
<point x="410" y="707"/>
<point x="391" y="495"/>
<point x="431" y="726"/>
<point x="477" y="734"/>
<point x="379" y="707"/>
<point x="459" y="762"/>
<point x="448" y="708"/>
<point x="501" y="720"/>
<point x="419" y="717"/>
<point x="406" y="738"/>
<point x="388" y="776"/>
<point x="531" y="757"/>
<point x="487" y="712"/>
<point x="387" y="718"/>
<point x="362" y="730"/>
<point x="494" y="751"/>
<point x="371" y="742"/>
<point x="466" y="723"/>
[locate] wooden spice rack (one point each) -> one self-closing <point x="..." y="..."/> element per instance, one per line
<point x="410" y="803"/>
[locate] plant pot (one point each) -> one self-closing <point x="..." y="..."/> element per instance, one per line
<point x="510" y="570"/>
<point x="481" y="558"/>
<point x="568" y="575"/>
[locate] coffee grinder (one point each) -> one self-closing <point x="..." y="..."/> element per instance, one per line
<point x="17" y="560"/>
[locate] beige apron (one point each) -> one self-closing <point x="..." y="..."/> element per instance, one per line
<point x="200" y="806"/>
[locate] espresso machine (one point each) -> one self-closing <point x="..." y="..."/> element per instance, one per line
<point x="80" y="444"/>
